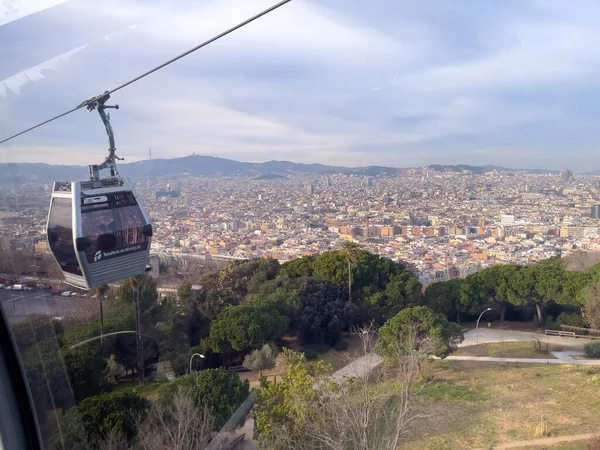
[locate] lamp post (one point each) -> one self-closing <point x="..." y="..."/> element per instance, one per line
<point x="477" y="326"/>
<point x="192" y="358"/>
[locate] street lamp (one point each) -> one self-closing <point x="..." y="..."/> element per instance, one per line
<point x="477" y="326"/>
<point x="192" y="357"/>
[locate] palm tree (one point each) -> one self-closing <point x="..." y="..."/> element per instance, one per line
<point x="100" y="293"/>
<point x="350" y="250"/>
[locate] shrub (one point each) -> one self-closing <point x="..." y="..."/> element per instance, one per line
<point x="592" y="349"/>
<point x="312" y="351"/>
<point x="550" y="324"/>
<point x="340" y="346"/>
<point x="570" y="319"/>
<point x="260" y="359"/>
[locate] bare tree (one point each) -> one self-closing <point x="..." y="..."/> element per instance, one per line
<point x="179" y="425"/>
<point x="113" y="441"/>
<point x="359" y="412"/>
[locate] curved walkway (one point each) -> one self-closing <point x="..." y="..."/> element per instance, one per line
<point x="580" y="362"/>
<point x="489" y="335"/>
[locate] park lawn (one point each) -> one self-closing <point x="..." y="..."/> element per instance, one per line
<point x="523" y="349"/>
<point x="477" y="404"/>
<point x="148" y="390"/>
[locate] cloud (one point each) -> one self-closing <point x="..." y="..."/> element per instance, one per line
<point x="384" y="83"/>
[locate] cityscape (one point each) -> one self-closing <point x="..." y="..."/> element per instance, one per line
<point x="441" y="224"/>
<point x="335" y="225"/>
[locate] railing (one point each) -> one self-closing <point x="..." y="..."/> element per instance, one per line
<point x="560" y="333"/>
<point x="570" y="334"/>
<point x="581" y="331"/>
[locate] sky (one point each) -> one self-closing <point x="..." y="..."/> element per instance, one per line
<point x="346" y="82"/>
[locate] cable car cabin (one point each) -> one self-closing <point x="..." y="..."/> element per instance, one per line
<point x="98" y="235"/>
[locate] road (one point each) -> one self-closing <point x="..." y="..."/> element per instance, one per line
<point x="488" y="335"/>
<point x="19" y="304"/>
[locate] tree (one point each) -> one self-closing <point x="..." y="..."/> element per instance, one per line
<point x="384" y="285"/>
<point x="47" y="377"/>
<point x="143" y="285"/>
<point x="281" y="294"/>
<point x="246" y="326"/>
<point x="350" y="251"/>
<point x="33" y="329"/>
<point x="284" y="406"/>
<point x="88" y="423"/>
<point x="219" y="390"/>
<point x="60" y="377"/>
<point x="324" y="311"/>
<point x="100" y="293"/>
<point x="306" y="409"/>
<point x="87" y="372"/>
<point x="177" y="425"/>
<point x="452" y="298"/>
<point x="263" y="358"/>
<point x="540" y="284"/>
<point x="497" y="284"/>
<point x="591" y="305"/>
<point x="424" y="324"/>
<point x="298" y="268"/>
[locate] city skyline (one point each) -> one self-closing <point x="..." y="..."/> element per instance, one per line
<point x="398" y="85"/>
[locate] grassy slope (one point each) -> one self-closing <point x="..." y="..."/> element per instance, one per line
<point x="480" y="404"/>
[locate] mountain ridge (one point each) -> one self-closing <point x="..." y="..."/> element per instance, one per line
<point x="200" y="165"/>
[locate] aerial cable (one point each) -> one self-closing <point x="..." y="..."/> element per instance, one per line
<point x="145" y="74"/>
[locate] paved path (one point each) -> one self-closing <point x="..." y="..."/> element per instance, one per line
<point x="488" y="335"/>
<point x="544" y="441"/>
<point x="358" y="367"/>
<point x="580" y="362"/>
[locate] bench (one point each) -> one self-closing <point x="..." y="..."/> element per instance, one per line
<point x="560" y="333"/>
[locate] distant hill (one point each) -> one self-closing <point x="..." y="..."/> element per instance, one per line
<point x="198" y="165"/>
<point x="482" y="169"/>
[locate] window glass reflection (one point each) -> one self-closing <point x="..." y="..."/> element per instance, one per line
<point x="60" y="235"/>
